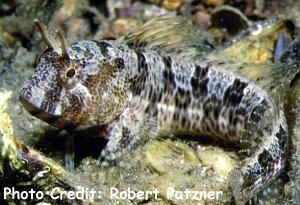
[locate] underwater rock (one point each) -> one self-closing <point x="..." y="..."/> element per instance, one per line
<point x="256" y="44"/>
<point x="171" y="4"/>
<point x="202" y="20"/>
<point x="217" y="159"/>
<point x="213" y="2"/>
<point x="230" y="18"/>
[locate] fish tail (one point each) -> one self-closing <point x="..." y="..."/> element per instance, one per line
<point x="262" y="167"/>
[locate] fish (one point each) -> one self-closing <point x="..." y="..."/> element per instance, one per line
<point x="162" y="79"/>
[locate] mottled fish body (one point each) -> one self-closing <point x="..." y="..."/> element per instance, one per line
<point x="145" y="85"/>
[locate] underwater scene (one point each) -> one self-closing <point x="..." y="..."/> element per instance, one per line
<point x="168" y="102"/>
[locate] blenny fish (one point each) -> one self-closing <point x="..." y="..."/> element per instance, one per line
<point x="159" y="80"/>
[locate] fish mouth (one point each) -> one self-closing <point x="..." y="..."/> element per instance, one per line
<point x="50" y="118"/>
<point x="41" y="108"/>
<point x="36" y="111"/>
<point x="36" y="101"/>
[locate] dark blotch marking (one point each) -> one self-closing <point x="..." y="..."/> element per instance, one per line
<point x="264" y="159"/>
<point x="235" y="121"/>
<point x="231" y="114"/>
<point x="182" y="98"/>
<point x="154" y="98"/>
<point x="201" y="72"/>
<point x="206" y="110"/>
<point x="181" y="92"/>
<point x="103" y="47"/>
<point x="212" y="108"/>
<point x="167" y="61"/>
<point x="255" y="117"/>
<point x="147" y="109"/>
<point x="169" y="81"/>
<point x="240" y="112"/>
<point x="176" y="116"/>
<point x="200" y="87"/>
<point x="155" y="111"/>
<point x="234" y="93"/>
<point x="183" y="121"/>
<point x="138" y="84"/>
<point x="119" y="62"/>
<point x="199" y="81"/>
<point x="159" y="97"/>
<point x="150" y="92"/>
<point x="282" y="137"/>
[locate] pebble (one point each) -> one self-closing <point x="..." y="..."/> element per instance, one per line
<point x="202" y="20"/>
<point x="213" y="3"/>
<point x="171" y="4"/>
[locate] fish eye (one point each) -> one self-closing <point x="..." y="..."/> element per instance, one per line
<point x="71" y="72"/>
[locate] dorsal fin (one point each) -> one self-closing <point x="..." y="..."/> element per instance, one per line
<point x="167" y="33"/>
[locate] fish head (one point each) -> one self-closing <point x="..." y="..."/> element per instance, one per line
<point x="84" y="88"/>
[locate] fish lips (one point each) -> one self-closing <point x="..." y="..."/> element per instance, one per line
<point x="40" y="107"/>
